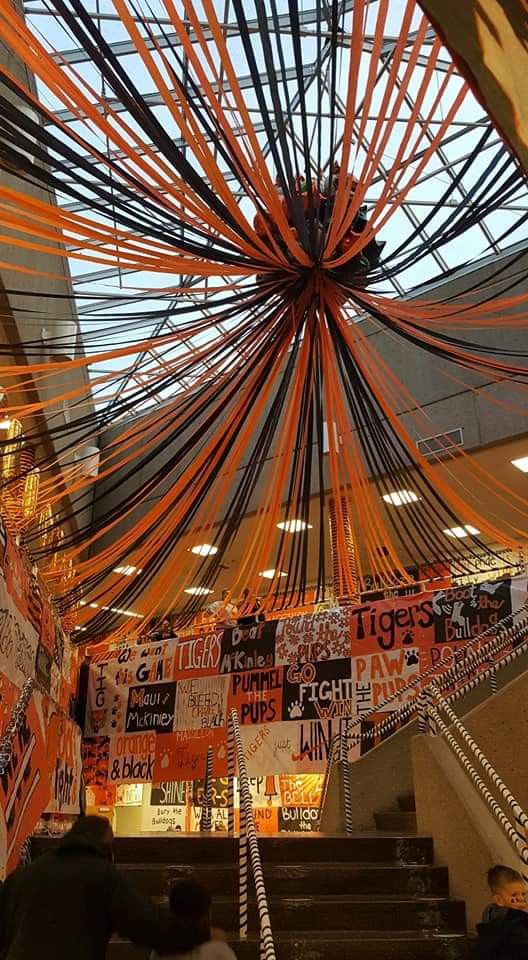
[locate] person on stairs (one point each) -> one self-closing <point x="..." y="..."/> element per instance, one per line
<point x="69" y="902"/>
<point x="503" y="933"/>
<point x="189" y="899"/>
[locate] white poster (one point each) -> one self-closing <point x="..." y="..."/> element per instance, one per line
<point x="313" y="637"/>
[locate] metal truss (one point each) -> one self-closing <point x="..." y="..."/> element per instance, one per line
<point x="113" y="287"/>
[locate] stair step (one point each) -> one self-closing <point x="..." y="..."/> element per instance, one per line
<point x="298" y="848"/>
<point x="417" y="880"/>
<point x="347" y="945"/>
<point x="396" y="820"/>
<point x="407" y="803"/>
<point x="327" y="913"/>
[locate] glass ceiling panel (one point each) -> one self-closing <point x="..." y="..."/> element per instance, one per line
<point x="492" y="234"/>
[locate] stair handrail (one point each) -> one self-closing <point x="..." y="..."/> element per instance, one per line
<point x="206" y="818"/>
<point x="338" y="756"/>
<point x="247" y="842"/>
<point x="432" y="705"/>
<point x="506" y="632"/>
<point x="518" y="632"/>
<point x="15" y="722"/>
<point x="499" y="634"/>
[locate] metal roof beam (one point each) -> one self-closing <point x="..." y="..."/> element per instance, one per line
<point x="155" y="99"/>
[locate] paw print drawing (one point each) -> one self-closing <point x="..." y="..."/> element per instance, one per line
<point x="117" y="714"/>
<point x="408" y="637"/>
<point x="411" y="657"/>
<point x="295" y="710"/>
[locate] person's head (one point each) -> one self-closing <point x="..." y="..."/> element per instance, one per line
<point x="91" y="831"/>
<point x="165" y="627"/>
<point x="225" y="594"/>
<point x="507" y="887"/>
<point x="189" y="899"/>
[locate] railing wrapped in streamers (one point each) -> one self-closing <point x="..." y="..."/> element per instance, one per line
<point x="14" y="724"/>
<point x="452" y="670"/>
<point x="207" y="801"/>
<point x="508" y="813"/>
<point x="338" y="756"/>
<point x="249" y="853"/>
<point x="481" y="656"/>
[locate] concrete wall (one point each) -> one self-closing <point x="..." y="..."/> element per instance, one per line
<point x="467" y="837"/>
<point x="57" y="317"/>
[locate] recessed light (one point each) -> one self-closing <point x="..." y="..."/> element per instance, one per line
<point x="398" y="498"/>
<point x="94" y="606"/>
<point x="269" y="574"/>
<point x="460" y="532"/>
<point x="204" y="550"/>
<point x="128" y="570"/>
<point x="521" y="463"/>
<point x="125" y="613"/>
<point x="197" y="591"/>
<point x="294" y="526"/>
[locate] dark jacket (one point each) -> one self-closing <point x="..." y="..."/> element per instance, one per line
<point x="504" y="938"/>
<point x="67" y="904"/>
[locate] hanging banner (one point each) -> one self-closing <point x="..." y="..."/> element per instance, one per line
<point x="198" y="657"/>
<point x="461" y="613"/>
<point x="248" y="648"/>
<point x="182" y="755"/>
<point x="202" y="703"/>
<point x="64" y="763"/>
<point x="388" y="624"/>
<point x="377" y="676"/>
<point x="25" y="785"/>
<point x="257" y="695"/>
<point x="153" y="711"/>
<point x="131" y="758"/>
<point x="18" y="640"/>
<point x="317" y="636"/>
<point x="318" y="690"/>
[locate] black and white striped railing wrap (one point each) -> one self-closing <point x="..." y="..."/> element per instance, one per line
<point x="338" y="756"/>
<point x="249" y="845"/>
<point x="440" y="705"/>
<point x="231" y="770"/>
<point x="516" y="838"/>
<point x="347" y="786"/>
<point x="450" y="666"/>
<point x="14" y="724"/>
<point x="206" y="818"/>
<point x="476" y="659"/>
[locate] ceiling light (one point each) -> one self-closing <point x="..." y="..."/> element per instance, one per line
<point x="204" y="550"/>
<point x="294" y="526"/>
<point x="94" y="606"/>
<point x="128" y="570"/>
<point x="460" y="532"/>
<point x="521" y="464"/>
<point x="126" y="613"/>
<point x="269" y="574"/>
<point x="197" y="591"/>
<point x="400" y="497"/>
<point x="5" y="424"/>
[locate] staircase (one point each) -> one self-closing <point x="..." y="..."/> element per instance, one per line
<point x="401" y="820"/>
<point x="362" y="897"/>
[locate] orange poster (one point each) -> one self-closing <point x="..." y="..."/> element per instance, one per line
<point x="182" y="755"/>
<point x="24" y="787"/>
